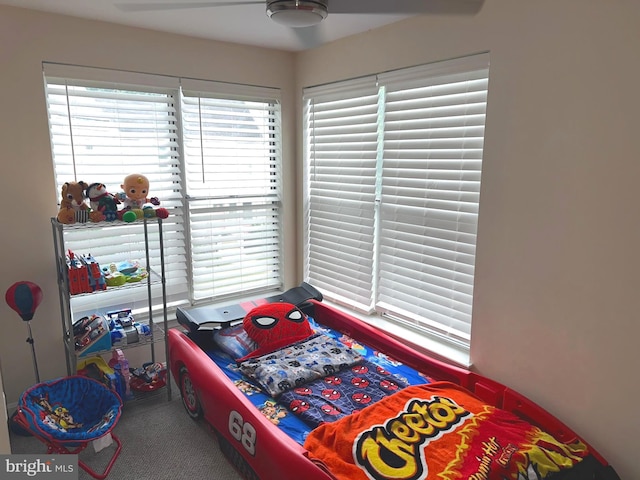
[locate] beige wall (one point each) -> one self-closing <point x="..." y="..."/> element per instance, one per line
<point x="554" y="313"/>
<point x="557" y="259"/>
<point x="5" y="445"/>
<point x="27" y="188"/>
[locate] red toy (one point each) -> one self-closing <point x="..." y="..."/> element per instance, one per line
<point x="275" y="325"/>
<point x="151" y="376"/>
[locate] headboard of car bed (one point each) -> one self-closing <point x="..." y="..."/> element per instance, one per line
<point x="193" y="318"/>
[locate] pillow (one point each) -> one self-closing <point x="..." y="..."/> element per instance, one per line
<point x="234" y="341"/>
<point x="299" y="363"/>
<point x="275" y="325"/>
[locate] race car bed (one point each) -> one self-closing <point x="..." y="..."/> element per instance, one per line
<point x="296" y="389"/>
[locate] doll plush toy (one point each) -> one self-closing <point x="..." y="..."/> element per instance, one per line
<point x="72" y="205"/>
<point x="103" y="201"/>
<point x="134" y="197"/>
<point x="135" y="189"/>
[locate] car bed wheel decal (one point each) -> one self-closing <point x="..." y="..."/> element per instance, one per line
<point x="189" y="395"/>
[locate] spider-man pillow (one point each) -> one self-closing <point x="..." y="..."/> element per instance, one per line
<point x="275" y="325"/>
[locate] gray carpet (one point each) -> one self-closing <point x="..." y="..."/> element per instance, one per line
<point x="159" y="441"/>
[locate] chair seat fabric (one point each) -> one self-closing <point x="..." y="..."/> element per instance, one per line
<point x="70" y="409"/>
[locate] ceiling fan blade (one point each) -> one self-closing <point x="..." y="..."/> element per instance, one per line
<point x="445" y="7"/>
<point x="157" y="6"/>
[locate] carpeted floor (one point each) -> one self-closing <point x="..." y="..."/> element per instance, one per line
<point x="159" y="442"/>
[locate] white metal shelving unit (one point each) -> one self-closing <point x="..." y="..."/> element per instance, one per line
<point x="69" y="314"/>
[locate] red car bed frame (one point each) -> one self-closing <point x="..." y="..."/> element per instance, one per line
<point x="260" y="450"/>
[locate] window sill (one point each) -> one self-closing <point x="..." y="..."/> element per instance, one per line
<point x="422" y="343"/>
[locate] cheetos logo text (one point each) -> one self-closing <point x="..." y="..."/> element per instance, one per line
<point x="395" y="450"/>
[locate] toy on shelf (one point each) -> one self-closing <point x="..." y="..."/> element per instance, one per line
<point x="120" y="366"/>
<point x="125" y="330"/>
<point x="149" y="377"/>
<point x="135" y="189"/>
<point x="113" y="277"/>
<point x="119" y="274"/>
<point x="136" y="203"/>
<point x="78" y="280"/>
<point x="95" y="367"/>
<point x="78" y="274"/>
<point x="95" y="276"/>
<point x="90" y="334"/>
<point x="85" y="275"/>
<point x="104" y="205"/>
<point x="72" y="205"/>
<point x="132" y="270"/>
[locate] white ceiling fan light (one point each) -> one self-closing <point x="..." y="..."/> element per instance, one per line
<point x="297" y="13"/>
<point x="308" y="13"/>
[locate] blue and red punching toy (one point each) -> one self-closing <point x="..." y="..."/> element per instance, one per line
<point x="24" y="297"/>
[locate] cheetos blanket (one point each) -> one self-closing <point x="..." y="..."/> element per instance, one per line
<point x="438" y="431"/>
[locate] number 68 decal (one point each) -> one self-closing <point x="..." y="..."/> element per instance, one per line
<point x="242" y="431"/>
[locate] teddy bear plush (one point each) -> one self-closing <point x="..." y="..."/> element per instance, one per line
<point x="72" y="205"/>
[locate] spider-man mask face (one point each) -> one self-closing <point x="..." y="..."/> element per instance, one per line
<point x="298" y="406"/>
<point x="275" y="325"/>
<point x="276" y="317"/>
<point x="331" y="394"/>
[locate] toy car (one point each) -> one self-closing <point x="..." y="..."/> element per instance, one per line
<point x="122" y="326"/>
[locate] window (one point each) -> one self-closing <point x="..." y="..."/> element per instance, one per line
<point x="392" y="191"/>
<point x="211" y="152"/>
<point x="232" y="152"/>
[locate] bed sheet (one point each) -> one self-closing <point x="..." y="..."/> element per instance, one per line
<point x="293" y="425"/>
<point x="335" y="396"/>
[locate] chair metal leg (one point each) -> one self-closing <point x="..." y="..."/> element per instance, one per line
<point x="103" y="475"/>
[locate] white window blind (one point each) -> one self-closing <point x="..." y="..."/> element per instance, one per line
<point x="432" y="121"/>
<point x="342" y="130"/>
<point x="232" y="151"/>
<point x="99" y="134"/>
